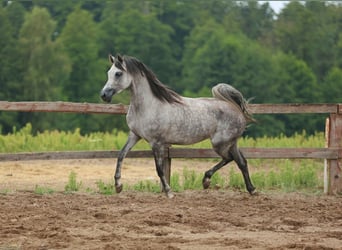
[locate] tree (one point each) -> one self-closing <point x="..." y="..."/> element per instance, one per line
<point x="331" y="88"/>
<point x="143" y="36"/>
<point x="310" y="32"/>
<point x="255" y="20"/>
<point x="8" y="69"/>
<point x="16" y="14"/>
<point x="297" y="84"/>
<point x="212" y="55"/>
<point x="43" y="66"/>
<point x="79" y="40"/>
<point x="40" y="57"/>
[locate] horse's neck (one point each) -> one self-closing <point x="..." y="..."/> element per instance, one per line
<point x="141" y="94"/>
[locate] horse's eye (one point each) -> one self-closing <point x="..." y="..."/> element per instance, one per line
<point x="118" y="74"/>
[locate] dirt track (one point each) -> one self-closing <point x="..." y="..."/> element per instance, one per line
<point x="213" y="219"/>
<point x="192" y="220"/>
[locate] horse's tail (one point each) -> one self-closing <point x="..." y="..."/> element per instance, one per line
<point x="225" y="92"/>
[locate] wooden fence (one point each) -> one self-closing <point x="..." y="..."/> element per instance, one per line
<point x="332" y="153"/>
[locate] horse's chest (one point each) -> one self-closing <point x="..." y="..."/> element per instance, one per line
<point x="143" y="124"/>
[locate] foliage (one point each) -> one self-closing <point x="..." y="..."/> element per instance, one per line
<point x="72" y="185"/>
<point x="24" y="140"/>
<point x="147" y="186"/>
<point x="287" y="177"/>
<point x="175" y="183"/>
<point x="56" y="50"/>
<point x="191" y="180"/>
<point x="106" y="189"/>
<point x="43" y="190"/>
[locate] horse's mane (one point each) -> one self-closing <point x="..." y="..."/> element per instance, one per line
<point x="159" y="90"/>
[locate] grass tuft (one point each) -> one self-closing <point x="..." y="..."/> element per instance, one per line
<point x="106" y="189"/>
<point x="72" y="185"/>
<point x="43" y="190"/>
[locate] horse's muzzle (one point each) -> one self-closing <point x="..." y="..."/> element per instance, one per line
<point x="106" y="94"/>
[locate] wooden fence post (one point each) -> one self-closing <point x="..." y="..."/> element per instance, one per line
<point x="333" y="173"/>
<point x="167" y="169"/>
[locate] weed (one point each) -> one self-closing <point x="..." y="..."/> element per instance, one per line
<point x="217" y="180"/>
<point x="4" y="191"/>
<point x="235" y="179"/>
<point x="272" y="180"/>
<point x="106" y="189"/>
<point x="43" y="190"/>
<point x="191" y="180"/>
<point x="72" y="185"/>
<point x="147" y="186"/>
<point x="175" y="183"/>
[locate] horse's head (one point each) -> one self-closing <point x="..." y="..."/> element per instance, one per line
<point x="118" y="78"/>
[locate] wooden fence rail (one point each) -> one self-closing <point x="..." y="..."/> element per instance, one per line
<point x="332" y="153"/>
<point x="92" y="108"/>
<point x="250" y="153"/>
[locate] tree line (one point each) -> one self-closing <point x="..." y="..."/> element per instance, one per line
<point x="57" y="51"/>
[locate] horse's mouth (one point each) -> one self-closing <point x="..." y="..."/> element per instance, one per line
<point x="107" y="94"/>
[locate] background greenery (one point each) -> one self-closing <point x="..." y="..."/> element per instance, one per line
<point x="57" y="51"/>
<point x="24" y="140"/>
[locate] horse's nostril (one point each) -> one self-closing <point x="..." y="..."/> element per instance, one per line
<point x="106" y="94"/>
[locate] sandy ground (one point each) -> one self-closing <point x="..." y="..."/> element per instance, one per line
<point x="25" y="175"/>
<point x="210" y="219"/>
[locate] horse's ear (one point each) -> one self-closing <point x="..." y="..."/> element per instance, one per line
<point x="119" y="57"/>
<point x="111" y="58"/>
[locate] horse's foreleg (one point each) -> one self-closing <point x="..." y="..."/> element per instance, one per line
<point x="242" y="164"/>
<point x="159" y="152"/>
<point x="210" y="172"/>
<point x="131" y="141"/>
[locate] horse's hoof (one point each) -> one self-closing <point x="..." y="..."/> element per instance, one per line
<point x="254" y="192"/>
<point x="118" y="188"/>
<point x="169" y="195"/>
<point x="206" y="183"/>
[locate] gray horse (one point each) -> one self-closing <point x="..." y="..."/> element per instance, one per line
<point x="162" y="117"/>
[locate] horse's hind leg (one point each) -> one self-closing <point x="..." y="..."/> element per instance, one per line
<point x="242" y="164"/>
<point x="210" y="172"/>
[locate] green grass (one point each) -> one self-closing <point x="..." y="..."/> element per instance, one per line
<point x="105" y="188"/>
<point x="146" y="186"/>
<point x="43" y="190"/>
<point x="287" y="177"/>
<point x="73" y="185"/>
<point x="24" y="141"/>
